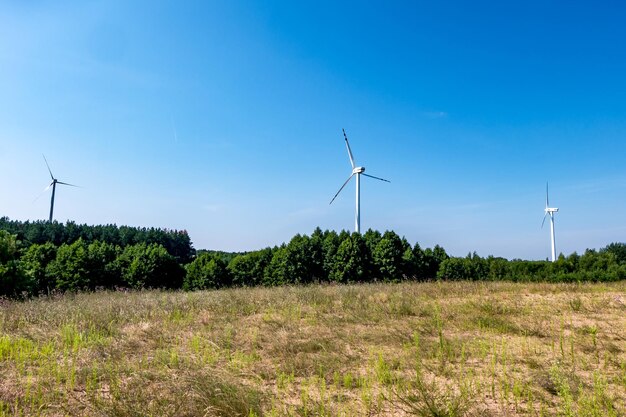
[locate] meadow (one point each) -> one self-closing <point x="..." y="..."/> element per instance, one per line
<point x="407" y="349"/>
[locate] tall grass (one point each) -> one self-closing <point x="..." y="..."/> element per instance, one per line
<point x="425" y="349"/>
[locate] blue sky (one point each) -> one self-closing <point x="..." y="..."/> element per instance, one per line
<point x="224" y="118"/>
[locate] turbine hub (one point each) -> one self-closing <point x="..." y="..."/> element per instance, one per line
<point x="358" y="170"/>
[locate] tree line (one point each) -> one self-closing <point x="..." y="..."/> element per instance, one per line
<point x="606" y="264"/>
<point x="176" y="242"/>
<point x="39" y="258"/>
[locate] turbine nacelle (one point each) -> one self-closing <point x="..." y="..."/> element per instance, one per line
<point x="551" y="210"/>
<point x="358" y="170"/>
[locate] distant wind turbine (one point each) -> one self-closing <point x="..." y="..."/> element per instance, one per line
<point x="550" y="211"/>
<point x="53" y="184"/>
<point x="358" y="171"/>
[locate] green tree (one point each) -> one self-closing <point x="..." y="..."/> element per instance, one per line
<point x="372" y="237"/>
<point x="316" y="253"/>
<point x="453" y="269"/>
<point x="34" y="262"/>
<point x="149" y="266"/>
<point x="479" y="267"/>
<point x="206" y="271"/>
<point x="410" y="263"/>
<point x="276" y="273"/>
<point x="499" y="269"/>
<point x="352" y="261"/>
<point x="13" y="280"/>
<point x="69" y="270"/>
<point x="472" y="267"/>
<point x="618" y="250"/>
<point x="102" y="270"/>
<point x="433" y="258"/>
<point x="388" y="256"/>
<point x="299" y="261"/>
<point x="176" y="242"/>
<point x="292" y="263"/>
<point x="330" y="245"/>
<point x="241" y="269"/>
<point x="250" y="269"/>
<point x="420" y="267"/>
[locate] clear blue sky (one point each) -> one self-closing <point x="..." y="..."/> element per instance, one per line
<point x="224" y="118"/>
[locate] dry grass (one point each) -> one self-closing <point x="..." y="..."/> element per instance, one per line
<point x="425" y="349"/>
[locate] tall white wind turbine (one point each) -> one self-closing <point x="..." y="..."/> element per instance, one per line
<point x="550" y="211"/>
<point x="53" y="184"/>
<point x="358" y="171"/>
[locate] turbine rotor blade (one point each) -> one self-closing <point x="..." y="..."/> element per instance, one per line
<point x="547" y="202"/>
<point x="544" y="219"/>
<point x="71" y="185"/>
<point x="49" y="170"/>
<point x="376" y="178"/>
<point x="344" y="184"/>
<point x="349" y="150"/>
<point x="43" y="192"/>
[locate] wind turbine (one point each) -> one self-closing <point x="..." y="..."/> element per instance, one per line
<point x="358" y="171"/>
<point x="550" y="211"/>
<point x="53" y="184"/>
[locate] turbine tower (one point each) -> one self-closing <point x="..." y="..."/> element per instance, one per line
<point x="53" y="184"/>
<point x="358" y="171"/>
<point x="550" y="211"/>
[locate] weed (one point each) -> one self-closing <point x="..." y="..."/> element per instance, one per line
<point x="563" y="387"/>
<point x="421" y="397"/>
<point x="576" y="304"/>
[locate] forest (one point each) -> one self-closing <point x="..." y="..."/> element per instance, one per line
<point x="38" y="258"/>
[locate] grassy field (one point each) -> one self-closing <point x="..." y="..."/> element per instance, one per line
<point x="425" y="349"/>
